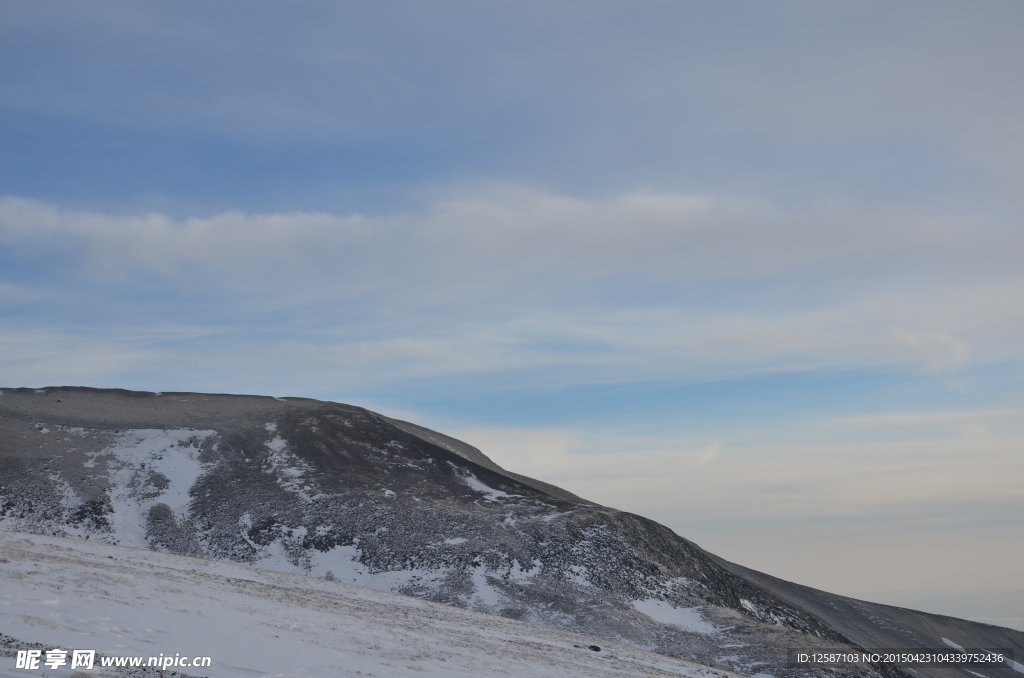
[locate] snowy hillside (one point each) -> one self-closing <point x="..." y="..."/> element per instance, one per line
<point x="71" y="594"/>
<point x="336" y="492"/>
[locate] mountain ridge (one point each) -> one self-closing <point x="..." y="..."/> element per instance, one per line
<point x="320" y="488"/>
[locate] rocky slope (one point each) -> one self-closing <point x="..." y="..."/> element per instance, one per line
<point x="339" y="492"/>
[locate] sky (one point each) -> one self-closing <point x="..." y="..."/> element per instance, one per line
<point x="753" y="270"/>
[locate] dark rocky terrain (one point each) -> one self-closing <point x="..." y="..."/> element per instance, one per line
<point x="339" y="492"/>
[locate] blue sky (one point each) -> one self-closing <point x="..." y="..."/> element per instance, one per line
<point x="752" y="270"/>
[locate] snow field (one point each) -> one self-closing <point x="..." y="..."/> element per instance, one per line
<point x="123" y="601"/>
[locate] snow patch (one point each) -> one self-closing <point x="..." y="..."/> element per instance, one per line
<point x="486" y="598"/>
<point x="491" y="493"/>
<point x="950" y="643"/>
<point x="148" y="467"/>
<point x="343" y="562"/>
<point x="288" y="468"/>
<point x="686" y="618"/>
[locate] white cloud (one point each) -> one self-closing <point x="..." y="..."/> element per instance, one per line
<point x="633" y="287"/>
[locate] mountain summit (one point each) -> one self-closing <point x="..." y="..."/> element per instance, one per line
<point x="339" y="492"/>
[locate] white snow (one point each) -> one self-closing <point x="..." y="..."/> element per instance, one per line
<point x="288" y="468"/>
<point x="74" y="594"/>
<point x="486" y="598"/>
<point x="491" y="493"/>
<point x="342" y="562"/>
<point x="749" y="606"/>
<point x="686" y="618"/>
<point x="950" y="643"/>
<point x="129" y="462"/>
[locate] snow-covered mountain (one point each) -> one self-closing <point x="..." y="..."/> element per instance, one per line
<point x="338" y="492"/>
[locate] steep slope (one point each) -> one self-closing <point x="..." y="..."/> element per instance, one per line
<point x="338" y="492"/>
